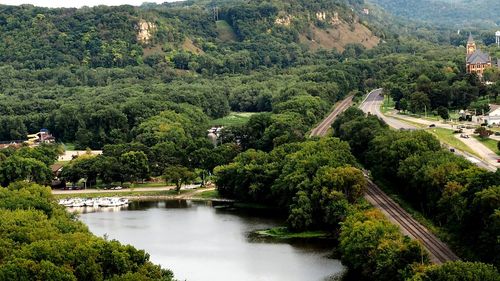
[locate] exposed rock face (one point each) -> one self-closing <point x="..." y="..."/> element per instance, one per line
<point x="145" y="31"/>
<point x="284" y="20"/>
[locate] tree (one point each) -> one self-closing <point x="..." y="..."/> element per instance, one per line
<point x="483" y="132"/>
<point x="459" y="271"/>
<point x="17" y="168"/>
<point x="301" y="214"/>
<point x="134" y="165"/>
<point x="178" y="175"/>
<point x="419" y="102"/>
<point x="443" y="112"/>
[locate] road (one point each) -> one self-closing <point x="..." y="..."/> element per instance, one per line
<point x="439" y="252"/>
<point x="323" y="127"/>
<point x="372" y="104"/>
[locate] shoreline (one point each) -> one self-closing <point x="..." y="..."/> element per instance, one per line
<point x="157" y="194"/>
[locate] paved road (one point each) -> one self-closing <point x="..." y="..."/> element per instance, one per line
<point x="323" y="127"/>
<point x="372" y="105"/>
<point x="439" y="252"/>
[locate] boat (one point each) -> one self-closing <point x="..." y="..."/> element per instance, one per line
<point x="96" y="202"/>
<point x="78" y="203"/>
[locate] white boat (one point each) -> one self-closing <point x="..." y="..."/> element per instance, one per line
<point x="78" y="203"/>
<point x="66" y="202"/>
<point x="91" y="203"/>
<point x="112" y="202"/>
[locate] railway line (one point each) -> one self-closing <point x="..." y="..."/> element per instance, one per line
<point x="322" y="128"/>
<point x="438" y="251"/>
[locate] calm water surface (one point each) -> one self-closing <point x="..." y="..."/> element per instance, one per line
<point x="202" y="243"/>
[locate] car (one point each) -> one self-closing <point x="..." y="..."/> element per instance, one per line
<point x="432" y="125"/>
<point x="498" y="160"/>
<point x="452" y="150"/>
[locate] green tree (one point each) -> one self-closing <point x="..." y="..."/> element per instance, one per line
<point x="134" y="165"/>
<point x="178" y="175"/>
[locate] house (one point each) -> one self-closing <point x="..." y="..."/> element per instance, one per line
<point x="493" y="118"/>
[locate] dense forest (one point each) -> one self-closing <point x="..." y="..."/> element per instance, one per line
<point x="145" y="83"/>
<point x="452" y="13"/>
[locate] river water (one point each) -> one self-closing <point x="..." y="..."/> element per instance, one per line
<point x="199" y="242"/>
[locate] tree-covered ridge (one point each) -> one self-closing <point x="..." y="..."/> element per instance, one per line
<point x="184" y="34"/>
<point x="41" y="241"/>
<point x="453" y="13"/>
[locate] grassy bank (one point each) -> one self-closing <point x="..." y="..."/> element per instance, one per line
<point x="233" y="119"/>
<point x="284" y="233"/>
<point x="489" y="143"/>
<point x="209" y="194"/>
<point x="121" y="194"/>
<point x="449" y="138"/>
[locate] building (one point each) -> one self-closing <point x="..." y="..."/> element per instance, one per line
<point x="476" y="60"/>
<point x="493" y="118"/>
<point x="41" y="137"/>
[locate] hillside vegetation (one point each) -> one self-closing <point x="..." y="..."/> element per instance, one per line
<point x="455" y="13"/>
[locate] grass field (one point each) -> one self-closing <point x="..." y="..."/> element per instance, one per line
<point x="225" y="31"/>
<point x="489" y="143"/>
<point x="284" y="233"/>
<point x="120" y="194"/>
<point x="209" y="194"/>
<point x="449" y="138"/>
<point x="233" y="119"/>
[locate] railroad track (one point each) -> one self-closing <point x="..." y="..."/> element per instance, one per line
<point x="438" y="251"/>
<point x="323" y="127"/>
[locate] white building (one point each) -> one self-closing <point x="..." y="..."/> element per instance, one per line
<point x="493" y="118"/>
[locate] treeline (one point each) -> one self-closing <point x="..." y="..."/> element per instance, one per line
<point x="108" y="106"/>
<point x="449" y="190"/>
<point x="41" y="241"/>
<point x="28" y="164"/>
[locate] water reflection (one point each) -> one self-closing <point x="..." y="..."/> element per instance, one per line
<point x="202" y="243"/>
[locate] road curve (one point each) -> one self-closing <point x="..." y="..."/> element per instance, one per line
<point x="439" y="252"/>
<point x="372" y="104"/>
<point x="323" y="127"/>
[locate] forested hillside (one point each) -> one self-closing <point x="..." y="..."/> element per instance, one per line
<point x="452" y="13"/>
<point x="144" y="84"/>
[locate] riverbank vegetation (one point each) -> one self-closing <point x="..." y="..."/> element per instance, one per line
<point x="41" y="241"/>
<point x="144" y="84"/>
<point x="455" y="194"/>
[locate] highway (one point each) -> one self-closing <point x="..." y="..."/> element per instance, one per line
<point x="323" y="127"/>
<point x="372" y="104"/>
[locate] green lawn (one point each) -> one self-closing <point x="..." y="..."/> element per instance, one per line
<point x="120" y="194"/>
<point x="209" y="194"/>
<point x="449" y="138"/>
<point x="68" y="146"/>
<point x="387" y="105"/>
<point x="233" y="119"/>
<point x="489" y="143"/>
<point x="284" y="233"/>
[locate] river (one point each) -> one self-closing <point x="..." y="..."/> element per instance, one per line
<point x="199" y="242"/>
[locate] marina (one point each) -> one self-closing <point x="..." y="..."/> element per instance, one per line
<point x="94" y="202"/>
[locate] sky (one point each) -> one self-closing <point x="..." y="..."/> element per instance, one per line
<point x="79" y="3"/>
